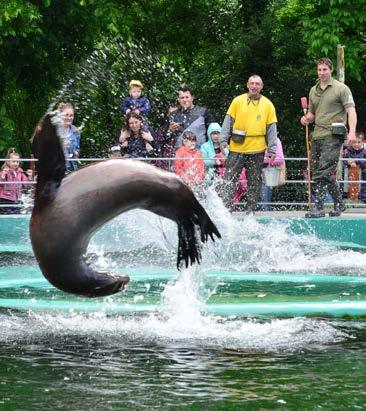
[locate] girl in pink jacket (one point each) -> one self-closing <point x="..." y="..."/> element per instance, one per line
<point x="11" y="183"/>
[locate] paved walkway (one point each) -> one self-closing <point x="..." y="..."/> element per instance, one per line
<point x="349" y="213"/>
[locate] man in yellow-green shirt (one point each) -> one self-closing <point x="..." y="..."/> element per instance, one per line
<point x="330" y="102"/>
<point x="249" y="127"/>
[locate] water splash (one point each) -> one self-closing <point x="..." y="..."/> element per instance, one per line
<point x="99" y="86"/>
<point x="207" y="331"/>
<point x="247" y="245"/>
<point x="182" y="319"/>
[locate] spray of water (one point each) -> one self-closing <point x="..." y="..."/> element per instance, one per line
<point x="185" y="328"/>
<point x="182" y="316"/>
<point x="247" y="245"/>
<point x="98" y="87"/>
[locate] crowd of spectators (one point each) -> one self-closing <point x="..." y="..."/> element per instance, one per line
<point x="189" y="139"/>
<point x="192" y="144"/>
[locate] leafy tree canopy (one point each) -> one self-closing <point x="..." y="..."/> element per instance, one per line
<point x="214" y="45"/>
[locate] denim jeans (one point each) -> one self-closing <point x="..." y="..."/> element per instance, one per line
<point x="363" y="185"/>
<point x="266" y="197"/>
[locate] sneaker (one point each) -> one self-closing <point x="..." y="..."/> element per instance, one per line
<point x="315" y="213"/>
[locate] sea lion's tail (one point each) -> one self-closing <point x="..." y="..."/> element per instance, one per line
<point x="51" y="160"/>
<point x="189" y="248"/>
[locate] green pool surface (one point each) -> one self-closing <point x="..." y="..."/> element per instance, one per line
<point x="235" y="293"/>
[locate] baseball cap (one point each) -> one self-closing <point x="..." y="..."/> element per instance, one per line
<point x="135" y="83"/>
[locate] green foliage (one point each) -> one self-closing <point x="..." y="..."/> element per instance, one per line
<point x="18" y="18"/>
<point x="6" y="130"/>
<point x="213" y="45"/>
<point x="325" y="24"/>
<point x="40" y="40"/>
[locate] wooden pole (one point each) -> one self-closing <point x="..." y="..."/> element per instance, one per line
<point x="304" y="105"/>
<point x="340" y="77"/>
<point x="340" y="64"/>
<point x="307" y="142"/>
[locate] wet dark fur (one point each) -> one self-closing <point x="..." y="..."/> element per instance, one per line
<point x="51" y="162"/>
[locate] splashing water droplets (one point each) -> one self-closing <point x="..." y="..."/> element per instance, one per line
<point x="98" y="87"/>
<point x="182" y="303"/>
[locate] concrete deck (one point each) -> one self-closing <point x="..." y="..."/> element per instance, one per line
<point x="349" y="213"/>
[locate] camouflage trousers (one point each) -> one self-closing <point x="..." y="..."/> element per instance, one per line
<point x="253" y="163"/>
<point x="324" y="158"/>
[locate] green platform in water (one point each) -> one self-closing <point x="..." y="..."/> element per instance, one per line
<point x="237" y="293"/>
<point x="259" y="294"/>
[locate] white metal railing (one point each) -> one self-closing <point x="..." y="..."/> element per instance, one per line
<point x="169" y="164"/>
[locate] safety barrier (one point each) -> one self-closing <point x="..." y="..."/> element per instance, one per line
<point x="289" y="196"/>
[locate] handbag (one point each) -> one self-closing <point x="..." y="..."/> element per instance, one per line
<point x="238" y="136"/>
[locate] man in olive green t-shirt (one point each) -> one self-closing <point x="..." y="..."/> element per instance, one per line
<point x="330" y="101"/>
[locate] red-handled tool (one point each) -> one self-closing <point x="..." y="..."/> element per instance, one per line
<point x="304" y="106"/>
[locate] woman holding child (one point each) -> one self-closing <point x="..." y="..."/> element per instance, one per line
<point x="134" y="139"/>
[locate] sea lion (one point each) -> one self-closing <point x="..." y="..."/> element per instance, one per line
<point x="68" y="210"/>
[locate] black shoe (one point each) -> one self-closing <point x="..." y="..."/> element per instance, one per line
<point x="315" y="213"/>
<point x="338" y="209"/>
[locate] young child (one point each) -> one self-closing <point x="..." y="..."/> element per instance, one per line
<point x="356" y="153"/>
<point x="189" y="164"/>
<point x="13" y="175"/>
<point x="214" y="155"/>
<point x="136" y="102"/>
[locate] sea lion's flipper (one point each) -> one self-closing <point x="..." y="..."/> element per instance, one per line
<point x="206" y="225"/>
<point x="189" y="248"/>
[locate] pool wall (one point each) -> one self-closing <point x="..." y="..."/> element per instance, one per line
<point x="346" y="232"/>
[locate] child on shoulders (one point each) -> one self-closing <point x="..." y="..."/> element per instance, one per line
<point x="136" y="102"/>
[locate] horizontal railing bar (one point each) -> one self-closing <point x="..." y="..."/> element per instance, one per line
<point x="170" y="159"/>
<point x="362" y="182"/>
<point x="279" y="203"/>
